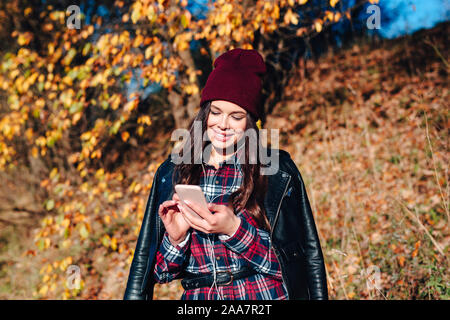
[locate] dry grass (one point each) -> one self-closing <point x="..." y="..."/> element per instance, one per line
<point x="376" y="169"/>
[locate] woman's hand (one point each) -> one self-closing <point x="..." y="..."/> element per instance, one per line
<point x="176" y="225"/>
<point x="223" y="220"/>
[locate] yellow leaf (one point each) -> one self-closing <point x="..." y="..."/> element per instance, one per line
<point x="33" y="77"/>
<point x="337" y="16"/>
<point x="137" y="187"/>
<point x="125" y="136"/>
<point x="131" y="105"/>
<point x="42" y="270"/>
<point x="329" y="16"/>
<point x="148" y="52"/>
<point x="287" y="16"/>
<point x="140" y="131"/>
<point x="417" y="244"/>
<point x="111" y="197"/>
<point x="43" y="290"/>
<point x="151" y="14"/>
<point x="96" y="154"/>
<point x="276" y="12"/>
<point x="126" y="211"/>
<point x="129" y="260"/>
<point x="114" y="243"/>
<point x="258" y="124"/>
<point x="106" y="240"/>
<point x="107" y="219"/>
<point x="27" y="11"/>
<point x="333" y="3"/>
<point x="416" y="249"/>
<point x="53" y="173"/>
<point x="84" y="233"/>
<point x="66" y="243"/>
<point x="145" y="119"/>
<point x="47" y="243"/>
<point x="157" y="58"/>
<point x="136" y="14"/>
<point x="76" y="118"/>
<point x="318" y="26"/>
<point x="290" y="17"/>
<point x="138" y="40"/>
<point x="100" y="173"/>
<point x="34" y="152"/>
<point x="65" y="223"/>
<point x="24" y="38"/>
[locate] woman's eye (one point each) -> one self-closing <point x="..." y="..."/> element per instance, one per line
<point x="238" y="118"/>
<point x="214" y="113"/>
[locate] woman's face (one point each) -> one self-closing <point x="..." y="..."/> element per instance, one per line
<point x="226" y="123"/>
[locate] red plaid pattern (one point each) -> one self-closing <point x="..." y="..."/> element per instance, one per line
<point x="250" y="246"/>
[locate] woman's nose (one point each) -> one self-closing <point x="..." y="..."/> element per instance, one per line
<point x="223" y="124"/>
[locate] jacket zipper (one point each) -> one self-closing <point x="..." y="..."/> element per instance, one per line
<point x="279" y="207"/>
<point x="271" y="235"/>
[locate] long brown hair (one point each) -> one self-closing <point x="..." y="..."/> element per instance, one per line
<point x="252" y="191"/>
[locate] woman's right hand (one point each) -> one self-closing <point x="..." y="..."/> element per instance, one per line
<point x="174" y="222"/>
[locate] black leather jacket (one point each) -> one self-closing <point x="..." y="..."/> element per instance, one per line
<point x="293" y="232"/>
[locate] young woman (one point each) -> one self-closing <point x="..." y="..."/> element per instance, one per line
<point x="257" y="240"/>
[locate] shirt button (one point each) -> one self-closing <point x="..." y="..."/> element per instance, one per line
<point x="217" y="181"/>
<point x="225" y="296"/>
<point x="218" y="258"/>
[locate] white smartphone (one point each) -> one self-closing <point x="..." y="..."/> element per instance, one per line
<point x="193" y="193"/>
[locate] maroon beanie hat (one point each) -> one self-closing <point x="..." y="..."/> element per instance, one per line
<point x="236" y="77"/>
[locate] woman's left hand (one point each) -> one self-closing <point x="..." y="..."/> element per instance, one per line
<point x="223" y="221"/>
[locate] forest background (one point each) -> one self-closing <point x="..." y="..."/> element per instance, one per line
<point x="90" y="92"/>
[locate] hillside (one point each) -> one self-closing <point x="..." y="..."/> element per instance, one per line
<point x="368" y="129"/>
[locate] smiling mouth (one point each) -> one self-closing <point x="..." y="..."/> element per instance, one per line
<point x="221" y="136"/>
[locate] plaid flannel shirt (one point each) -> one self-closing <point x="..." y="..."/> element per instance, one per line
<point x="249" y="246"/>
